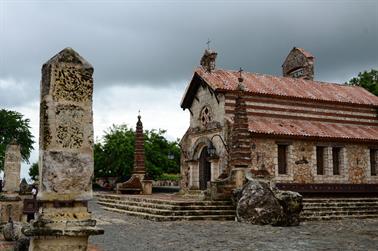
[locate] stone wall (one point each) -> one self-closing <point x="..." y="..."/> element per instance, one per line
<point x="302" y="167"/>
<point x="205" y="98"/>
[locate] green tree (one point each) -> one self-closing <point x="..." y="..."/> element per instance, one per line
<point x="367" y="80"/>
<point x="114" y="154"/>
<point x="33" y="171"/>
<point x="14" y="126"/>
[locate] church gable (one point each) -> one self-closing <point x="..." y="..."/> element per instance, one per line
<point x="206" y="108"/>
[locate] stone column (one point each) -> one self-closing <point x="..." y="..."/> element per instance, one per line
<point x="10" y="201"/>
<point x="12" y="166"/>
<point x="65" y="155"/>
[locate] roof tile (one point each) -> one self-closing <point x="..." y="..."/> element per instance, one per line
<point x="289" y="87"/>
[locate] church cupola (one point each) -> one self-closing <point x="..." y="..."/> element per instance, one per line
<point x="208" y="60"/>
<point x="299" y="64"/>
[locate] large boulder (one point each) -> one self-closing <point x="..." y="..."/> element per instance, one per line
<point x="292" y="206"/>
<point x="256" y="204"/>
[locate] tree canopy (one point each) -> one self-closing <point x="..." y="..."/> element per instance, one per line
<point x="14" y="126"/>
<point x="367" y="80"/>
<point x="114" y="154"/>
<point x="33" y="171"/>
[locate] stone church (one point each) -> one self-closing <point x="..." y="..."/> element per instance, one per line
<point x="299" y="132"/>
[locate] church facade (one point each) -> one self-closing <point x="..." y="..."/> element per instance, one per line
<point x="297" y="130"/>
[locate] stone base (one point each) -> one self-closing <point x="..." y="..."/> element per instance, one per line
<point x="61" y="228"/>
<point x="10" y="207"/>
<point x="147" y="187"/>
<point x="132" y="186"/>
<point x="58" y="243"/>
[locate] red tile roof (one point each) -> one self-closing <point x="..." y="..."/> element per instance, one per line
<point x="306" y="53"/>
<point x="288" y="87"/>
<point x="313" y="129"/>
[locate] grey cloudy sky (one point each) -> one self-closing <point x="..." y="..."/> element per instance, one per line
<point x="144" y="52"/>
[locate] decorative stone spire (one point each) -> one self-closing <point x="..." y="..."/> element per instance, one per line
<point x="240" y="147"/>
<point x="299" y="64"/>
<point x="208" y="60"/>
<point x="139" y="168"/>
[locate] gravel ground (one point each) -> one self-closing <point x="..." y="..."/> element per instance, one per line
<point x="124" y="232"/>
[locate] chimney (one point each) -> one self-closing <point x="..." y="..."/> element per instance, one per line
<point x="208" y="60"/>
<point x="299" y="64"/>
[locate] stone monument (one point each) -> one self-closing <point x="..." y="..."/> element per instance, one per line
<point x="138" y="183"/>
<point x="12" y="166"/>
<point x="10" y="201"/>
<point x="65" y="156"/>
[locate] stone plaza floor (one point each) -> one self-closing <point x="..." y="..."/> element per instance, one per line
<point x="124" y="232"/>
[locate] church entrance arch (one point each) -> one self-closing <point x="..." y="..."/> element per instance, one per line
<point x="204" y="169"/>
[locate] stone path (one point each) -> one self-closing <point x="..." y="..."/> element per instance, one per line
<point x="124" y="232"/>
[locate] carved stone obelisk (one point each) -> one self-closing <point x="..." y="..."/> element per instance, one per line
<point x="65" y="155"/>
<point x="12" y="167"/>
<point x="10" y="201"/>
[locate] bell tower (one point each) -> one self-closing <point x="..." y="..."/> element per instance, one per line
<point x="299" y="64"/>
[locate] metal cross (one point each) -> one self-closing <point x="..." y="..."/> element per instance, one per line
<point x="208" y="44"/>
<point x="240" y="72"/>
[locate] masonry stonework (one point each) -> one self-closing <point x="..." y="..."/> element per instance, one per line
<point x="12" y="168"/>
<point x="294" y="111"/>
<point x="66" y="155"/>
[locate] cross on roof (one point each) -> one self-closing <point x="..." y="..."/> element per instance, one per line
<point x="208" y="44"/>
<point x="240" y="72"/>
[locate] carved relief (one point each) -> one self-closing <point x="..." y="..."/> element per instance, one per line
<point x="12" y="157"/>
<point x="44" y="126"/>
<point x="73" y="84"/>
<point x="70" y="130"/>
<point x="65" y="172"/>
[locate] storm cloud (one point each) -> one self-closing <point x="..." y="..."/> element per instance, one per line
<point x="159" y="43"/>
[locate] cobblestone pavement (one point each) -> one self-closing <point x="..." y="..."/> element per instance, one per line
<point x="124" y="232"/>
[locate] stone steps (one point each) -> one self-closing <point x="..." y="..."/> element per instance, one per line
<point x="167" y="207"/>
<point x="161" y="201"/>
<point x="172" y="218"/>
<point x="339" y="208"/>
<point x="167" y="210"/>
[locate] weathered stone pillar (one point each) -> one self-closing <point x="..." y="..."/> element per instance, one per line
<point x="65" y="155"/>
<point x="10" y="202"/>
<point x="12" y="167"/>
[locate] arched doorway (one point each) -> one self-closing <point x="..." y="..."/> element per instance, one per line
<point x="204" y="169"/>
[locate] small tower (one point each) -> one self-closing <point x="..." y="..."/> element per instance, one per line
<point x="139" y="168"/>
<point x="240" y="147"/>
<point x="299" y="64"/>
<point x="208" y="60"/>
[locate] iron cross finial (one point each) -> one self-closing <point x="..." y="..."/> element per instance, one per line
<point x="208" y="43"/>
<point x="240" y="72"/>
